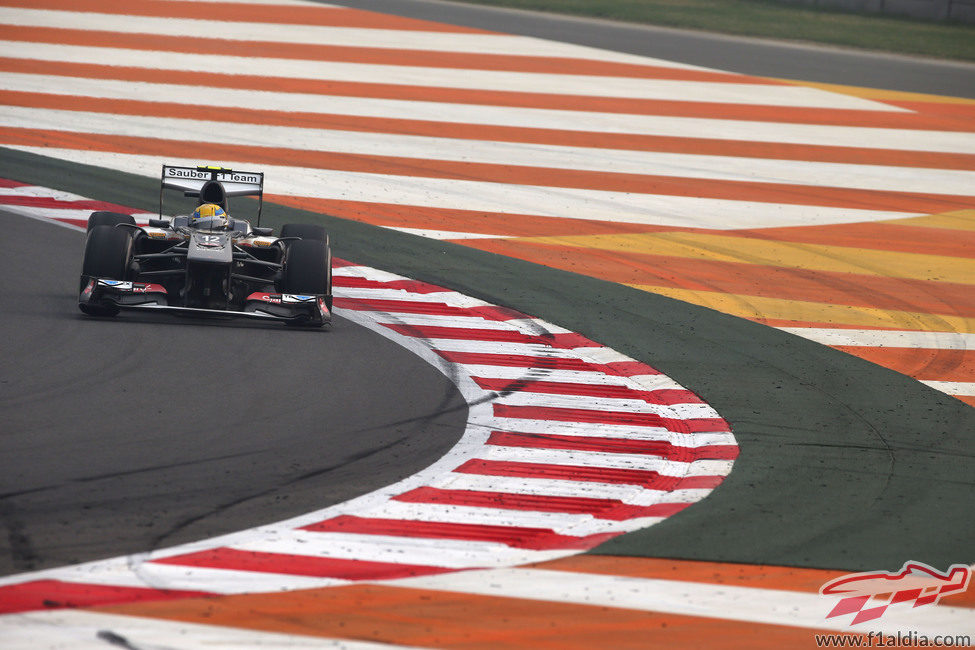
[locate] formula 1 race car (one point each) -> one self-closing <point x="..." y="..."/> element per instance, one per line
<point x="207" y="263"/>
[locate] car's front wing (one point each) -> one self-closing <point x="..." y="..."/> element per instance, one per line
<point x="100" y="294"/>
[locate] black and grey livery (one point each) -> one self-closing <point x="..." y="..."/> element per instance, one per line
<point x="235" y="271"/>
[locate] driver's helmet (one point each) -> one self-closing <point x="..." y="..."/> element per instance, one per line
<point x="209" y="216"/>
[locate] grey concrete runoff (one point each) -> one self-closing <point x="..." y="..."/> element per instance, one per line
<point x="753" y="56"/>
<point x="843" y="465"/>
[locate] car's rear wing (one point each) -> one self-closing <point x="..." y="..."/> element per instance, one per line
<point x="191" y="180"/>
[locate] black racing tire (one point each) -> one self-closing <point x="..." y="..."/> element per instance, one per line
<point x="305" y="231"/>
<point x="103" y="218"/>
<point x="108" y="254"/>
<point x="306" y="268"/>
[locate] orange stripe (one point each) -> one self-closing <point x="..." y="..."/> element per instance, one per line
<point x="243" y="12"/>
<point x="427" y="218"/>
<point x="758" y="576"/>
<point x="716" y="147"/>
<point x="937" y="365"/>
<point x="507" y="174"/>
<point x="453" y="620"/>
<point x="370" y="55"/>
<point x="970" y="400"/>
<point x="745" y="279"/>
<point x="963" y="113"/>
<point x="876" y="236"/>
<point x="780" y="322"/>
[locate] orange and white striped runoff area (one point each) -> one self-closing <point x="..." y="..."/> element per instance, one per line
<point x="841" y="214"/>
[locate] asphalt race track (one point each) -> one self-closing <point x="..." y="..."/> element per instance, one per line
<point x="191" y="429"/>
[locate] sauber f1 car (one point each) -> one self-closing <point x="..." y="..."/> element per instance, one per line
<point x="207" y="263"/>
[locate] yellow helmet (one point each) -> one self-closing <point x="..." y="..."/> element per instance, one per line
<point x="209" y="216"/>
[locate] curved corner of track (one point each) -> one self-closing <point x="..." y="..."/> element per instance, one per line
<point x="568" y="444"/>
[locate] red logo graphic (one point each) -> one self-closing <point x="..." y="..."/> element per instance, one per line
<point x="915" y="581"/>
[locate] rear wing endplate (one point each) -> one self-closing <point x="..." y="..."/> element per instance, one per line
<point x="190" y="181"/>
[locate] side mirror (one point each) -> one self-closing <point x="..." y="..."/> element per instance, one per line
<point x="158" y="223"/>
<point x="263" y="232"/>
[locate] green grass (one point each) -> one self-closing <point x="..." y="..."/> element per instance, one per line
<point x="767" y="18"/>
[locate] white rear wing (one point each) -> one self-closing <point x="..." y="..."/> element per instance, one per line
<point x="190" y="180"/>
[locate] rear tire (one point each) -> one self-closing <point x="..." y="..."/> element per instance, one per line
<point x="102" y="218"/>
<point x="108" y="253"/>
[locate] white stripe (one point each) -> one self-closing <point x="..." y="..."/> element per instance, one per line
<point x="585" y="121"/>
<point x="869" y="177"/>
<point x="322" y="34"/>
<point x="530" y="82"/>
<point x="629" y="494"/>
<point x="37" y="212"/>
<point x="445" y="297"/>
<point x="578" y="525"/>
<point x="602" y="404"/>
<point x="434" y="320"/>
<point x="38" y="191"/>
<point x="556" y="427"/>
<point x="601" y="460"/>
<point x="443" y="234"/>
<point x="502" y="347"/>
<point x="622" y="207"/>
<point x="80" y="630"/>
<point x="964" y="388"/>
<point x="886" y="338"/>
<point x="614" y="431"/>
<point x="542" y="374"/>
<point x="449" y="553"/>
<point x="135" y="571"/>
<point x="602" y="355"/>
<point x="722" y="601"/>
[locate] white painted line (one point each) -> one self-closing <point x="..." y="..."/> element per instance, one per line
<point x="435" y="320"/>
<point x="596" y="205"/>
<point x="603" y="404"/>
<point x="577" y="525"/>
<point x="87" y="630"/>
<point x="407" y="296"/>
<point x="418" y="551"/>
<point x="886" y="338"/>
<point x="964" y="388"/>
<point x="556" y="427"/>
<point x="485" y="80"/>
<point x="546" y="374"/>
<point x="728" y="602"/>
<point x="502" y="348"/>
<point x="629" y="494"/>
<point x="443" y="234"/>
<point x="602" y="460"/>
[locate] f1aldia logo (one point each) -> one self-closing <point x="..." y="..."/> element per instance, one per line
<point x="915" y="581"/>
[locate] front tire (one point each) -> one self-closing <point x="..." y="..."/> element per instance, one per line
<point x="306" y="268"/>
<point x="108" y="254"/>
<point x="112" y="219"/>
<point x="304" y="231"/>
